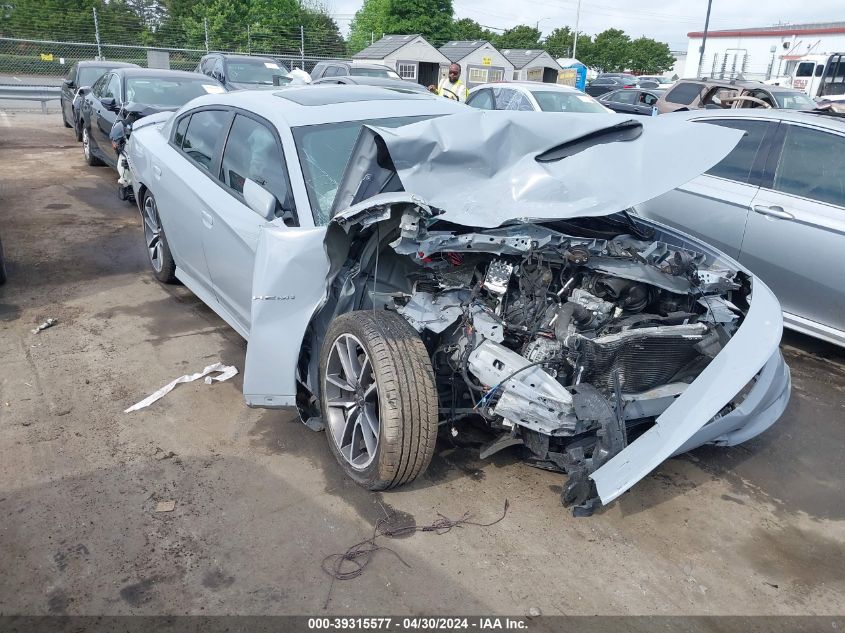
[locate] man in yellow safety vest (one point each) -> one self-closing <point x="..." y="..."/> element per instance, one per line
<point x="451" y="86"/>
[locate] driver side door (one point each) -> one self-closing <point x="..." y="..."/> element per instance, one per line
<point x="230" y="230"/>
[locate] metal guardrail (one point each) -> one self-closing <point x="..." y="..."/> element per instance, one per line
<point x="31" y="93"/>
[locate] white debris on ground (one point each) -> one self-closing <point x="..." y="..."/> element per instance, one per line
<point x="226" y="372"/>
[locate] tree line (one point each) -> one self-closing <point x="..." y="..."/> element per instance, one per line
<point x="274" y="25"/>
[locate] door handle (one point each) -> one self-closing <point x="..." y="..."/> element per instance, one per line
<point x="157" y="171"/>
<point x="773" y="211"/>
<point x="207" y="219"/>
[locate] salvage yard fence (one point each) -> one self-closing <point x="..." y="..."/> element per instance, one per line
<point x="34" y="54"/>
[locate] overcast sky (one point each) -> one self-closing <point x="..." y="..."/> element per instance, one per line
<point x="665" y="20"/>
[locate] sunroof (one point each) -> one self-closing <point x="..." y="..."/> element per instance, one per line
<point x="328" y="95"/>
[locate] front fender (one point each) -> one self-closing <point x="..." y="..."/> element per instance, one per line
<point x="288" y="286"/>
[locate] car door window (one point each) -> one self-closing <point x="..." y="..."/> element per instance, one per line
<point x="737" y="165"/>
<point x="483" y="99"/>
<point x="647" y="99"/>
<point x="113" y="89"/>
<point x="508" y="99"/>
<point x="625" y="96"/>
<point x="201" y="136"/>
<point x="252" y="152"/>
<point x="684" y="93"/>
<point x="603" y="82"/>
<point x="812" y="165"/>
<point x="179" y="135"/>
<point x="97" y="89"/>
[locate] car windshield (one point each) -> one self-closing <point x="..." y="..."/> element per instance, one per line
<point x="167" y="92"/>
<point x="794" y="101"/>
<point x="386" y="73"/>
<point x="89" y="74"/>
<point x="256" y="71"/>
<point x="557" y="101"/>
<point x="323" y="153"/>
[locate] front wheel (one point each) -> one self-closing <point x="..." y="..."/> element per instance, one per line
<point x="379" y="402"/>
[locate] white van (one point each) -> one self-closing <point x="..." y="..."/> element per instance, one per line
<point x="821" y="76"/>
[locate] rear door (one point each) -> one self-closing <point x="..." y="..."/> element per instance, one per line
<point x="185" y="190"/>
<point x="624" y="101"/>
<point x="715" y="206"/>
<point x="796" y="231"/>
<point x="103" y="119"/>
<point x="230" y="232"/>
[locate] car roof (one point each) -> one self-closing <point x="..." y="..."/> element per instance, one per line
<point x="830" y="121"/>
<point x="105" y="64"/>
<point x="312" y="105"/>
<point x="363" y="80"/>
<point x="230" y="57"/>
<point x="527" y="85"/>
<point x="160" y="72"/>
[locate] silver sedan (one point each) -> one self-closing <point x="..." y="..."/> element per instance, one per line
<point x="401" y="264"/>
<point x="776" y="203"/>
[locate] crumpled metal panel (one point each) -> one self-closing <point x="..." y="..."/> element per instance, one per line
<point x="480" y="166"/>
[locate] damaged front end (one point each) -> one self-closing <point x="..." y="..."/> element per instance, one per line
<point x="567" y="338"/>
<point x="598" y="344"/>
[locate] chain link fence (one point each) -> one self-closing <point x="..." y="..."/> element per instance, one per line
<point x="37" y="55"/>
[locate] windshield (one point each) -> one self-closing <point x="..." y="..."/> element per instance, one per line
<point x="794" y="101"/>
<point x="252" y="71"/>
<point x="386" y="73"/>
<point x="557" y="101"/>
<point x="89" y="74"/>
<point x="166" y="92"/>
<point x="323" y="153"/>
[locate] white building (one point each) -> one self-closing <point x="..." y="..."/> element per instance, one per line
<point x="532" y="65"/>
<point x="410" y="55"/>
<point x="761" y="53"/>
<point x="480" y="61"/>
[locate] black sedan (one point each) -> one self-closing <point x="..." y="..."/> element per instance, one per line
<point x="129" y="94"/>
<point x="244" y="72"/>
<point x="80" y="78"/>
<point x="632" y="100"/>
<point x="607" y="83"/>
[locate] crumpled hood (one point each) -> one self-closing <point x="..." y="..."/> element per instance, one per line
<point x="482" y="168"/>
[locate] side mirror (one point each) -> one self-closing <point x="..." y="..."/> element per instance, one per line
<point x="259" y="199"/>
<point x="109" y="103"/>
<point x="69" y="83"/>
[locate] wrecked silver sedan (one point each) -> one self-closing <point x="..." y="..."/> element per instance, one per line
<point x="401" y="265"/>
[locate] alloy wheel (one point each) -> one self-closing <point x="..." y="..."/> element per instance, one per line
<point x="152" y="233"/>
<point x="352" y="399"/>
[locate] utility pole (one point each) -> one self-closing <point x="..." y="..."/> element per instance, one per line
<point x="302" y="45"/>
<point x="205" y="25"/>
<point x="575" y="39"/>
<point x="704" y="39"/>
<point x="248" y="41"/>
<point x="97" y="33"/>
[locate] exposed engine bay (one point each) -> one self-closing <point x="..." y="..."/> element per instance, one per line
<point x="567" y="338"/>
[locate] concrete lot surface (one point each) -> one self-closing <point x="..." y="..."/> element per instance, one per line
<point x="259" y="500"/>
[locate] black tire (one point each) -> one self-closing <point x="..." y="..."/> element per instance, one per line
<point x="87" y="149"/>
<point x="77" y="128"/>
<point x="407" y="400"/>
<point x="2" y="266"/>
<point x="166" y="274"/>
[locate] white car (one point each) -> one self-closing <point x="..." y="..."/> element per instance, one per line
<point x="534" y="96"/>
<point x="401" y="264"/>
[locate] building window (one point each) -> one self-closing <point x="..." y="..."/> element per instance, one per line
<point x="407" y="70"/>
<point x="477" y="75"/>
<point x="535" y="74"/>
<point x="516" y="75"/>
<point x="496" y="74"/>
